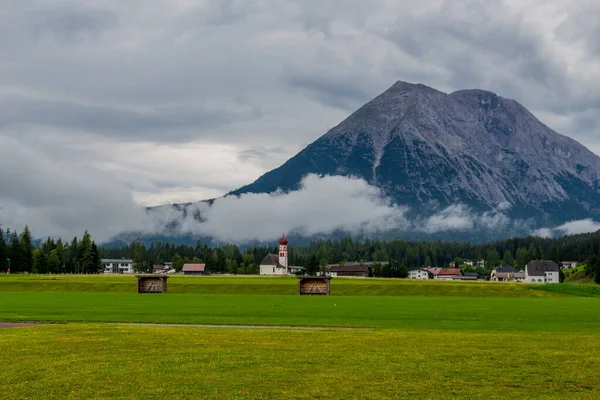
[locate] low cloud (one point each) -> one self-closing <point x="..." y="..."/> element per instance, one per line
<point x="323" y="205"/>
<point x="61" y="197"/>
<point x="570" y="228"/>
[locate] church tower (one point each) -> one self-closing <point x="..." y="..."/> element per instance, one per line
<point x="283" y="251"/>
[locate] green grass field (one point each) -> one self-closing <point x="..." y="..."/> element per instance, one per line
<point x="432" y="340"/>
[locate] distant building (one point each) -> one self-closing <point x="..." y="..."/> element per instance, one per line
<point x="469" y="262"/>
<point x="349" y="270"/>
<point x="499" y="273"/>
<point x="481" y="264"/>
<point x="434" y="271"/>
<point x="159" y="268"/>
<point x="568" y="264"/>
<point x="542" y="271"/>
<point x="277" y="264"/>
<point x="467" y="276"/>
<point x="420" y="273"/>
<point x="194" y="269"/>
<point x="295" y="269"/>
<point x="448" y="274"/>
<point x="117" y="266"/>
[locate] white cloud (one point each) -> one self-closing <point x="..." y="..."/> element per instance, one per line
<point x="587" y="225"/>
<point x="322" y="205"/>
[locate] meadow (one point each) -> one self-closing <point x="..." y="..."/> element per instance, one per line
<point x="403" y="339"/>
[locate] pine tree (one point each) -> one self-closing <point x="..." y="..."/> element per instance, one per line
<point x="96" y="266"/>
<point x="60" y="253"/>
<point x="15" y="253"/>
<point x="85" y="256"/>
<point x="508" y="258"/>
<point x="139" y="262"/>
<point x="26" y="259"/>
<point x="3" y="252"/>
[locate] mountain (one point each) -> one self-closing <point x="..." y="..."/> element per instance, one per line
<point x="429" y="150"/>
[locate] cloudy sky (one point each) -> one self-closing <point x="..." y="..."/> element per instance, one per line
<point x="108" y="104"/>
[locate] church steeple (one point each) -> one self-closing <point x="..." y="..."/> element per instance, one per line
<point x="283" y="251"/>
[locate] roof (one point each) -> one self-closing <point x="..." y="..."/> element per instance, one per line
<point x="539" y="267"/>
<point x="434" y="270"/>
<point x="470" y="273"/>
<point x="419" y="269"/>
<point x="349" y="268"/>
<point x="450" y="271"/>
<point x="158" y="266"/>
<point x="506" y="275"/>
<point x="505" y="268"/>
<point x="271" y="259"/>
<point x="283" y="241"/>
<point x="193" y="267"/>
<point x="114" y="260"/>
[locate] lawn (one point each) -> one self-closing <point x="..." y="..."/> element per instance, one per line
<point x="113" y="361"/>
<point x="430" y="340"/>
<point x="272" y="285"/>
<point x="560" y="314"/>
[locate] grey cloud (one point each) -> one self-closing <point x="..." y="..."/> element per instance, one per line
<point x="61" y="198"/>
<point x="68" y="25"/>
<point x="161" y="123"/>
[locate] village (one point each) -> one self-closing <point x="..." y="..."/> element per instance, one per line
<point x="536" y="271"/>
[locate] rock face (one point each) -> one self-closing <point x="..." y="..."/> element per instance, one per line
<point x="428" y="150"/>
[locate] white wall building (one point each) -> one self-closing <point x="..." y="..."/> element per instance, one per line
<point x="276" y="264"/>
<point x="419" y="273"/>
<point x="117" y="266"/>
<point x="542" y="271"/>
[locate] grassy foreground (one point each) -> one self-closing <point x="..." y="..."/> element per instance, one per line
<point x="558" y="314"/>
<point x="426" y="340"/>
<point x="288" y="286"/>
<point x="102" y="361"/>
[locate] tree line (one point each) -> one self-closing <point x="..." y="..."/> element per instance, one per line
<point x="399" y="254"/>
<point x="83" y="256"/>
<point x="19" y="254"/>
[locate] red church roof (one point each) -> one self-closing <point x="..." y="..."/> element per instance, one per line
<point x="283" y="241"/>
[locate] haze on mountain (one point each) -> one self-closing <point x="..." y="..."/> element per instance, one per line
<point x="429" y="150"/>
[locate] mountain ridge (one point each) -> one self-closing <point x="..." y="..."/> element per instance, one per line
<point x="425" y="148"/>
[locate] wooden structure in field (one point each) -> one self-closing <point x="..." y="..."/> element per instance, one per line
<point x="152" y="283"/>
<point x="313" y="285"/>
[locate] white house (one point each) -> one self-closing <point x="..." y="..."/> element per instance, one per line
<point x="568" y="264"/>
<point x="420" y="273"/>
<point x="541" y="271"/>
<point x="276" y="264"/>
<point x="117" y="266"/>
<point x="481" y="264"/>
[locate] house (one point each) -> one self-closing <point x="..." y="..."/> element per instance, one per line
<point x="349" y="270"/>
<point x="194" y="269"/>
<point x="159" y="269"/>
<point x="467" y="276"/>
<point x="469" y="262"/>
<point x="568" y="264"/>
<point x="420" y="273"/>
<point x="481" y="264"/>
<point x="276" y="264"/>
<point x="448" y="274"/>
<point x="117" y="266"/>
<point x="434" y="271"/>
<point x="295" y="269"/>
<point x="542" y="271"/>
<point x="503" y="270"/>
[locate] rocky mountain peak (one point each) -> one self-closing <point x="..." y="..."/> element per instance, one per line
<point x="421" y="147"/>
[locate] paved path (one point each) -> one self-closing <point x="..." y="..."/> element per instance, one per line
<point x="13" y="324"/>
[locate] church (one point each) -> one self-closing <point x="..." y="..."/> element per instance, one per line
<point x="277" y="264"/>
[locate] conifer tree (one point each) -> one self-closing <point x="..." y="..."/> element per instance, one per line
<point x="26" y="259"/>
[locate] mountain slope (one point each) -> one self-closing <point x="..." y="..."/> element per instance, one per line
<point x="428" y="149"/>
